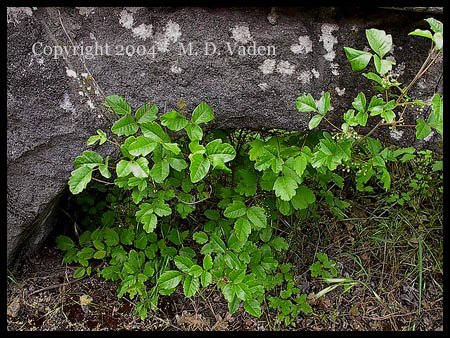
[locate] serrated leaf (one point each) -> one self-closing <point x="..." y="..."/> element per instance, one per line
<point x="219" y="153"/>
<point x="125" y="126"/>
<point x="183" y="263"/>
<point x="303" y="198"/>
<point x="257" y="216"/>
<point x="379" y="41"/>
<point x="284" y="187"/>
<point x="190" y="286"/>
<point x="149" y="222"/>
<point x="358" y="59"/>
<point x="172" y="147"/>
<point x="104" y="169"/>
<point x="306" y="104"/>
<point x="200" y="237"/>
<point x="118" y="104"/>
<point x="174" y="120"/>
<point x="253" y="307"/>
<point x="235" y="210"/>
<point x="206" y="278"/>
<point x="242" y="228"/>
<point x="207" y="262"/>
<point x="435" y="119"/>
<point x="195" y="270"/>
<point x="139" y="168"/>
<point x="198" y="168"/>
<point x="111" y="237"/>
<point x="279" y="244"/>
<point x="170" y="279"/>
<point x="146" y="113"/>
<point x="203" y="113"/>
<point x="79" y="179"/>
<point x="141" y="146"/>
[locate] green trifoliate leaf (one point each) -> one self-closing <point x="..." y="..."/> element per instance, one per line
<point x="376" y="106"/>
<point x="422" y="33"/>
<point x="194" y="132"/>
<point x="253" y="307"/>
<point x="183" y="263"/>
<point x="203" y="113"/>
<point x="146" y="113"/>
<point x="219" y="153"/>
<point x="170" y="279"/>
<point x="235" y="210"/>
<point x="190" y="286"/>
<point x="139" y="168"/>
<point x="435" y="119"/>
<point x="315" y="121"/>
<point x="388" y="115"/>
<point x="358" y="59"/>
<point x="154" y="132"/>
<point x="88" y="158"/>
<point x="374" y="77"/>
<point x="435" y="25"/>
<point x="306" y="104"/>
<point x="174" y="120"/>
<point x="125" y="126"/>
<point x="359" y="103"/>
<point x="172" y="147"/>
<point x="103" y="168"/>
<point x="198" y="168"/>
<point x="294" y="168"/>
<point x="195" y="270"/>
<point x="257" y="216"/>
<point x="79" y="179"/>
<point x="323" y="105"/>
<point x="206" y="278"/>
<point x="161" y="208"/>
<point x="207" y="262"/>
<point x="422" y="129"/>
<point x="177" y="163"/>
<point x="242" y="228"/>
<point x="64" y="243"/>
<point x="123" y="168"/>
<point x="438" y="39"/>
<point x="118" y="105"/>
<point x="303" y="198"/>
<point x="379" y="41"/>
<point x="382" y="66"/>
<point x="141" y="146"/>
<point x="160" y="171"/>
<point x="361" y="118"/>
<point x="284" y="187"/>
<point x="200" y="237"/>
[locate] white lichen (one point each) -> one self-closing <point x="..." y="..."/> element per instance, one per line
<point x="339" y="91"/>
<point x="264" y="86"/>
<point x="304" y="45"/>
<point x="126" y="19"/>
<point x="334" y="68"/>
<point x="176" y="69"/>
<point x="285" y="68"/>
<point x="143" y="31"/>
<point x="85" y="11"/>
<point x="396" y="134"/>
<point x="426" y="139"/>
<point x="172" y="33"/>
<point x="71" y="73"/>
<point x="315" y="73"/>
<point x="90" y="104"/>
<point x="15" y="14"/>
<point x="268" y="66"/>
<point x="305" y="77"/>
<point x="328" y="40"/>
<point x="66" y="104"/>
<point x="241" y="34"/>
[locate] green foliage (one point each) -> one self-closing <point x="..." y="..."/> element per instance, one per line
<point x="153" y="233"/>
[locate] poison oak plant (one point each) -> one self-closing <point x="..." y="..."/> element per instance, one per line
<point x="189" y="209"/>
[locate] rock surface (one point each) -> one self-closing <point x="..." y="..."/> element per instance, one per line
<point x="55" y="103"/>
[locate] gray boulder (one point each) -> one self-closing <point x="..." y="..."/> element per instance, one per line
<point x="62" y="62"/>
